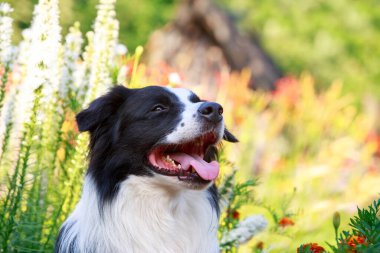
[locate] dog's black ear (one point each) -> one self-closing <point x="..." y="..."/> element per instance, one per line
<point x="101" y="109"/>
<point x="229" y="137"/>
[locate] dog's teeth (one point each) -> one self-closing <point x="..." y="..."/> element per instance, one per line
<point x="168" y="159"/>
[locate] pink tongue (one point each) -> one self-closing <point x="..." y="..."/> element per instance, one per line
<point x="207" y="171"/>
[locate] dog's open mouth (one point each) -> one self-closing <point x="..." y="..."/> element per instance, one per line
<point x="185" y="160"/>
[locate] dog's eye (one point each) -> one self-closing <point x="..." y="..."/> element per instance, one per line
<point x="158" y="108"/>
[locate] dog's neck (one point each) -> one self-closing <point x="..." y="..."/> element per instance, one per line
<point x="146" y="216"/>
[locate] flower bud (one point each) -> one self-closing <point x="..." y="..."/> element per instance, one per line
<point x="139" y="51"/>
<point x="336" y="220"/>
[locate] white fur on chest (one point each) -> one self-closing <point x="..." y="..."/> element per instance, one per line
<point x="145" y="216"/>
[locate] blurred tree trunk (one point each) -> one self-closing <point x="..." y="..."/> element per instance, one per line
<point x="202" y="42"/>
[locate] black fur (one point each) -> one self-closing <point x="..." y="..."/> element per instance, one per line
<point x="124" y="127"/>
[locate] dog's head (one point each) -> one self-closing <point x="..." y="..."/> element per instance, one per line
<point x="168" y="133"/>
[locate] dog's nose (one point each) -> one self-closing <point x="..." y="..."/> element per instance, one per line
<point x="211" y="111"/>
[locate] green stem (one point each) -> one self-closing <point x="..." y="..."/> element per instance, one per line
<point x="4" y="80"/>
<point x="54" y="227"/>
<point x="15" y="192"/>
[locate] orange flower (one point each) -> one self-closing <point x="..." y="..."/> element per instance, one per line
<point x="285" y="221"/>
<point x="314" y="248"/>
<point x="354" y="240"/>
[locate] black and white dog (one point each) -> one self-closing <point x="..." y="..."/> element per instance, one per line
<point x="149" y="186"/>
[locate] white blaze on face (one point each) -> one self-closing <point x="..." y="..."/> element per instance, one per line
<point x="191" y="125"/>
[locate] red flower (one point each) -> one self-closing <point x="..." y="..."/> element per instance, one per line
<point x="236" y="215"/>
<point x="288" y="89"/>
<point x="374" y="137"/>
<point x="285" y="221"/>
<point x="353" y="240"/>
<point x="314" y="248"/>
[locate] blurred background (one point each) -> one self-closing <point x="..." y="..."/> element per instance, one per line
<point x="300" y="84"/>
<point x="331" y="40"/>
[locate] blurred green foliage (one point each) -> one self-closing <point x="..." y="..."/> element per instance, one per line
<point x="137" y="18"/>
<point x="333" y="40"/>
<point x="330" y="39"/>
